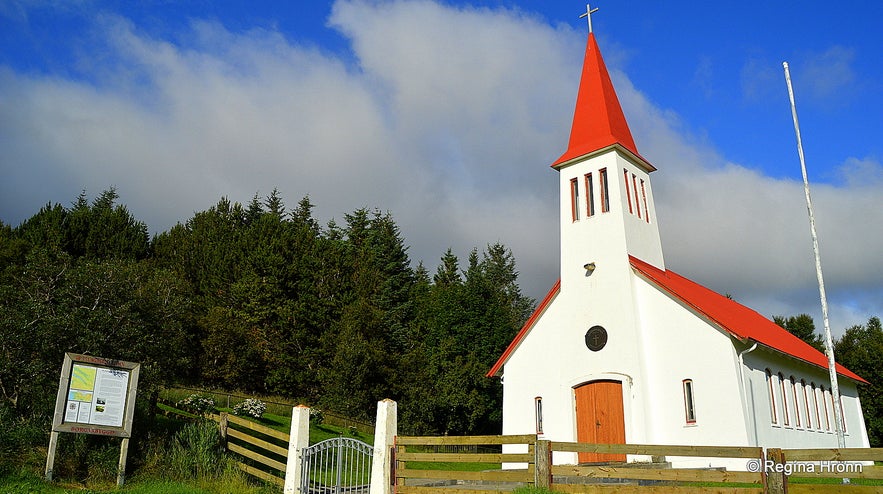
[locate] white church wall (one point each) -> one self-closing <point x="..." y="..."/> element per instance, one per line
<point x="641" y="227"/>
<point x="679" y="346"/>
<point x="801" y="428"/>
<point x="553" y="358"/>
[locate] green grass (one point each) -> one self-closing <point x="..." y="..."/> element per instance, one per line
<point x="833" y="481"/>
<point x="29" y="484"/>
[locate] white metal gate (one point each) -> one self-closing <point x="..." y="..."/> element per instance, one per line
<point x="337" y="466"/>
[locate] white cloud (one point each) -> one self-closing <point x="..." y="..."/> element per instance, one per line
<point x="829" y="73"/>
<point x="449" y="121"/>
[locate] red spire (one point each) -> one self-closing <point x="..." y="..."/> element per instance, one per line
<point x="598" y="120"/>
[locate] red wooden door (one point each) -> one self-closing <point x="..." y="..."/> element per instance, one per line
<point x="600" y="418"/>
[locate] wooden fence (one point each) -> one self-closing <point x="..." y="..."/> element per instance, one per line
<point x="640" y="477"/>
<point x="457" y="465"/>
<point x="424" y="464"/>
<point x="813" y="465"/>
<point x="264" y="449"/>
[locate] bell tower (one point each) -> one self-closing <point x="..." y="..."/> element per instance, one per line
<point x="607" y="210"/>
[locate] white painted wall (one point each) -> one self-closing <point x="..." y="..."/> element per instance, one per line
<point x="680" y="345"/>
<point x="779" y="435"/>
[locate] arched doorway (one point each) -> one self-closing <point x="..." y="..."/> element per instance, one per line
<point x="600" y="418"/>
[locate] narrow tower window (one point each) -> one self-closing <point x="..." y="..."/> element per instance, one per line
<point x="590" y="195"/>
<point x="538" y="409"/>
<point x="605" y="196"/>
<point x="644" y="197"/>
<point x="574" y="199"/>
<point x="628" y="194"/>
<point x="689" y="407"/>
<point x="634" y="188"/>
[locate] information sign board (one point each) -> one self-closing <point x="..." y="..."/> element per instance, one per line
<point x="96" y="396"/>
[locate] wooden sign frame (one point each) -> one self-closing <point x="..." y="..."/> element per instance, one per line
<point x="96" y="395"/>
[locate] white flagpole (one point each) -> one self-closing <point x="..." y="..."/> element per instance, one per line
<point x="829" y="344"/>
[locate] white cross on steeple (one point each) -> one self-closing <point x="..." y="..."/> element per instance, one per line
<point x="588" y="15"/>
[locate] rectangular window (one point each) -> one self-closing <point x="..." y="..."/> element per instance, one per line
<point x="644" y="197"/>
<point x="628" y="194"/>
<point x="605" y="195"/>
<point x="771" y="387"/>
<point x="794" y="386"/>
<point x="538" y="410"/>
<point x="574" y="198"/>
<point x="806" y="404"/>
<point x="843" y="414"/>
<point x="634" y="188"/>
<point x="786" y="415"/>
<point x="689" y="407"/>
<point x="826" y="395"/>
<point x="815" y="402"/>
<point x="590" y="195"/>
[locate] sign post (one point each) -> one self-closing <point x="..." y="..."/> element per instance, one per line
<point x="95" y="396"/>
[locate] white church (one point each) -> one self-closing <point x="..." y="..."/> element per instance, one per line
<point x="622" y="350"/>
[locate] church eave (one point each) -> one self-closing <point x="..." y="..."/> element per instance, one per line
<point x="638" y="160"/>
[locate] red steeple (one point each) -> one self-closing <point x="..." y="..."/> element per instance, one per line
<point x="598" y="120"/>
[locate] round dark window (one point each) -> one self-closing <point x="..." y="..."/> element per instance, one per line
<point x="596" y="338"/>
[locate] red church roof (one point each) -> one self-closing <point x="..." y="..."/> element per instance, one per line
<point x="598" y="121"/>
<point x="731" y="316"/>
<point x="735" y="318"/>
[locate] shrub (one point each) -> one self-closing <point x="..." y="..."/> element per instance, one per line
<point x="251" y="407"/>
<point x="196" y="452"/>
<point x="316" y="416"/>
<point x="198" y="404"/>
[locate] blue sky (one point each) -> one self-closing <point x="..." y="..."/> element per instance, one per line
<point x="447" y="114"/>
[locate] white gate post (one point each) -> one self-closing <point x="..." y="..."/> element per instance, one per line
<point x="385" y="430"/>
<point x="297" y="442"/>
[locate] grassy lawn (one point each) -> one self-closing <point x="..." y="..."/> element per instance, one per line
<point x="22" y="484"/>
<point x="30" y="481"/>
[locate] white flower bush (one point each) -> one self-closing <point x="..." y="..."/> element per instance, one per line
<point x="197" y="403"/>
<point x="250" y="407"/>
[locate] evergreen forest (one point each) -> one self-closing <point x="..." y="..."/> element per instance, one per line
<point x="257" y="298"/>
<point x="260" y="298"/>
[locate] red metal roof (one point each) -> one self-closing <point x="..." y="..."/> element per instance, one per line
<point x="734" y="318"/>
<point x="598" y="121"/>
<point x="731" y="316"/>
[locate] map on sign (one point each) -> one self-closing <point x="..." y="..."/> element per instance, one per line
<point x="96" y="395"/>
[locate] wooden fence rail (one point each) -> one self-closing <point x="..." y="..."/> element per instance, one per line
<point x="420" y="468"/>
<point x="645" y="477"/>
<point x="248" y="442"/>
<point x="266" y="449"/>
<point x="855" y="464"/>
